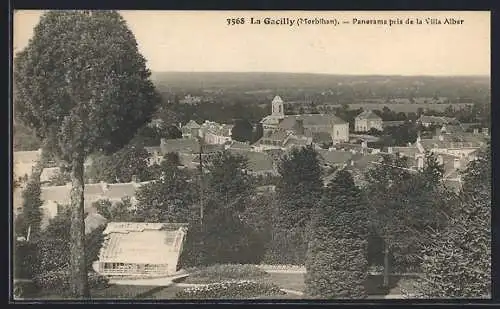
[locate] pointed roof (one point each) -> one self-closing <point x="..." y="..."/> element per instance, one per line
<point x="277" y="99"/>
<point x="310" y="120"/>
<point x="368" y="114"/>
<point x="192" y="125"/>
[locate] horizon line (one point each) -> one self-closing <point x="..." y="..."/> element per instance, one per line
<point x="331" y="74"/>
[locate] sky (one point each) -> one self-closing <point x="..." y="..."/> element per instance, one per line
<point x="202" y="41"/>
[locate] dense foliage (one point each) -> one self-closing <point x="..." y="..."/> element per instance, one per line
<point x="122" y="166"/>
<point x="242" y="131"/>
<point x="172" y="198"/>
<point x="456" y="262"/>
<point x="337" y="255"/>
<point x="224" y="272"/>
<point x="78" y="103"/>
<point x="297" y="193"/>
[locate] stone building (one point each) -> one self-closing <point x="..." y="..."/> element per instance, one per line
<point x="367" y="120"/>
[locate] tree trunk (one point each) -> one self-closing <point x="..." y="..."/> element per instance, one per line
<point x="79" y="280"/>
<point x="386" y="266"/>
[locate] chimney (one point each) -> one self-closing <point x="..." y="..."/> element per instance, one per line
<point x="389" y="150"/>
<point x="456" y="163"/>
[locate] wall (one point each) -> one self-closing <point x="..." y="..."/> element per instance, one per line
<point x="343" y="132"/>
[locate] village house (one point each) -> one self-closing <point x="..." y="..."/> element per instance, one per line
<point x="215" y="133"/>
<point x="458" y="144"/>
<point x="283" y="140"/>
<point x="428" y="121"/>
<point x="367" y="120"/>
<point x="55" y="198"/>
<point x="188" y="150"/>
<point x="190" y="130"/>
<point x="315" y="123"/>
<point x="133" y="249"/>
<point x="189" y="99"/>
<point x="394" y="123"/>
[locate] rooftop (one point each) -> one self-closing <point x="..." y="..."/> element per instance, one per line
<point x="368" y="114"/>
<point x="27" y="157"/>
<point x="310" y="120"/>
<point x="257" y="161"/>
<point x="335" y="156"/>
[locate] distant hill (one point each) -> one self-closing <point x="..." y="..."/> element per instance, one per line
<point x="269" y="80"/>
<point x="359" y="86"/>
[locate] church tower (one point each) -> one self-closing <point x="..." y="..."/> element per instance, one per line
<point x="277" y="109"/>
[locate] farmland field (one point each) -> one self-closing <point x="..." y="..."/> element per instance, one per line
<point x="405" y="108"/>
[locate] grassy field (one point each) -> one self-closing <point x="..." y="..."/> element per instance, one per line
<point x="405" y="108"/>
<point x="290" y="281"/>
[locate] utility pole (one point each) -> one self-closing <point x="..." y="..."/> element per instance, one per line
<point x="200" y="153"/>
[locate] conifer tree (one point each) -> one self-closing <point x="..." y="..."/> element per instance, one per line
<point x="297" y="193"/>
<point x="337" y="255"/>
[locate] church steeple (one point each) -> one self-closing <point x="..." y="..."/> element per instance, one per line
<point x="277" y="109"/>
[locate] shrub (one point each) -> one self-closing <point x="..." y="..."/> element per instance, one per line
<point x="58" y="281"/>
<point x="231" y="289"/>
<point x="97" y="281"/>
<point x="54" y="280"/>
<point x="220" y="272"/>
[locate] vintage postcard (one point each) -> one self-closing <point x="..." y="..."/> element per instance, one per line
<point x="235" y="155"/>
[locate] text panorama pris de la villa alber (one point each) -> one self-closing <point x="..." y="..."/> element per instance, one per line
<point x="333" y="21"/>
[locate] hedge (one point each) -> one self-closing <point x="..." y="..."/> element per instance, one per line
<point x="221" y="272"/>
<point x="231" y="289"/>
<point x="59" y="281"/>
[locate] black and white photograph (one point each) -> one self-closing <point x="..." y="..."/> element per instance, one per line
<point x="250" y="155"/>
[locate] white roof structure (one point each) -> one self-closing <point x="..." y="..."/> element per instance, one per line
<point x="142" y="243"/>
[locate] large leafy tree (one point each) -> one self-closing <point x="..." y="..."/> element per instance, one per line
<point x="337" y="256"/>
<point x="457" y="260"/>
<point x="171" y="198"/>
<point x="242" y="131"/>
<point x="297" y="193"/>
<point x="82" y="85"/>
<point x="130" y="161"/>
<point x="403" y="204"/>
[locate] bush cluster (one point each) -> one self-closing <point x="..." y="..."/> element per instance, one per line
<point x="220" y="272"/>
<point x="231" y="289"/>
<point x="59" y="280"/>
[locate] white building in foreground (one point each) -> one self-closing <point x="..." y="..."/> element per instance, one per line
<point x="133" y="249"/>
